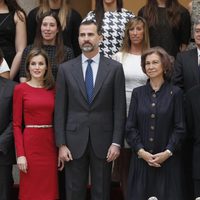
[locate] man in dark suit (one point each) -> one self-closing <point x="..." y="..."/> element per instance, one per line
<point x="89" y="116"/>
<point x="187" y="65"/>
<point x="7" y="153"/>
<point x="186" y="76"/>
<point x="193" y="121"/>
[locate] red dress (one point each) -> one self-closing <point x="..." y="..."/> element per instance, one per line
<point x="35" y="106"/>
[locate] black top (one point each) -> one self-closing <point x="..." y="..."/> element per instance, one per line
<point x="70" y="33"/>
<point x="7" y="36"/>
<point x="51" y="52"/>
<point x="163" y="35"/>
<point x="155" y="123"/>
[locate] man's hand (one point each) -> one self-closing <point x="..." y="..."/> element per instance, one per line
<point x="113" y="153"/>
<point x="64" y="153"/>
<point x="61" y="164"/>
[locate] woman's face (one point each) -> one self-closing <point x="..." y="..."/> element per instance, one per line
<point x="136" y="33"/>
<point x="37" y="67"/>
<point x="49" y="30"/>
<point x="153" y="66"/>
<point x="109" y="1"/>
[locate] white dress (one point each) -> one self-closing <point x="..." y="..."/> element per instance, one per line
<point x="134" y="76"/>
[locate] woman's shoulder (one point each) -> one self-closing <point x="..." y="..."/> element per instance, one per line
<point x="20" y="87"/>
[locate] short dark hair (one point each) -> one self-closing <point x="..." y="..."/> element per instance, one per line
<point x="166" y="60"/>
<point x="89" y="22"/>
<point x="48" y="80"/>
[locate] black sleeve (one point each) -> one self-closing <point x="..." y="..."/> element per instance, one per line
<point x="75" y="21"/>
<point x="68" y="54"/>
<point x="26" y="51"/>
<point x="31" y="25"/>
<point x="185" y="27"/>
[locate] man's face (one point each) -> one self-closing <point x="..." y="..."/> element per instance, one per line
<point x="197" y="35"/>
<point x="88" y="38"/>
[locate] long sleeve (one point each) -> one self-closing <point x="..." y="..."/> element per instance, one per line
<point x="18" y="120"/>
<point x="60" y="107"/>
<point x="119" y="107"/>
<point x="31" y="25"/>
<point x="75" y="23"/>
<point x="179" y="123"/>
<point x="23" y="61"/>
<point x="132" y="133"/>
<point x="177" y="78"/>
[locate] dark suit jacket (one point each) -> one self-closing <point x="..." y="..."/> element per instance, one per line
<point x="103" y="121"/>
<point x="187" y="72"/>
<point x="193" y="122"/>
<point x="7" y="153"/>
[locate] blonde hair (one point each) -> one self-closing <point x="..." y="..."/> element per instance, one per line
<point x="64" y="11"/>
<point x="126" y="45"/>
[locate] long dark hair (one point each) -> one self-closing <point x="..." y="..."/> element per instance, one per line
<point x="99" y="10"/>
<point x="13" y="6"/>
<point x="173" y="8"/>
<point x="38" y="42"/>
<point x="48" y="80"/>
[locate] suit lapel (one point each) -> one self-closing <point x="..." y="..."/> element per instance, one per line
<point x="77" y="73"/>
<point x="102" y="73"/>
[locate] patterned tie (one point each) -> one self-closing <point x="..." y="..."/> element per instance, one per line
<point x="89" y="81"/>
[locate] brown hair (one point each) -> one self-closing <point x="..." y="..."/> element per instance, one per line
<point x="126" y="45"/>
<point x="48" y="80"/>
<point x="64" y="11"/>
<point x="166" y="61"/>
<point x="173" y="8"/>
<point x="13" y="6"/>
<point x="38" y="42"/>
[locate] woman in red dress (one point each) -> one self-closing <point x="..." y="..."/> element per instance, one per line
<point x="33" y="109"/>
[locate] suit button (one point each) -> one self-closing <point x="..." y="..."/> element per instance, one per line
<point x="153" y="116"/>
<point x="152" y="127"/>
<point x="153" y="104"/>
<point x="154" y="95"/>
<point x="151" y="139"/>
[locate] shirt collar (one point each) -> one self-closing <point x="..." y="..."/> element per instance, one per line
<point x="95" y="59"/>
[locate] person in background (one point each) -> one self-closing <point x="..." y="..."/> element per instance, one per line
<point x="169" y="24"/>
<point x="155" y="130"/>
<point x="186" y="76"/>
<point x="4" y="69"/>
<point x="111" y="18"/>
<point x="69" y="18"/>
<point x="33" y="130"/>
<point x="12" y="34"/>
<point x="136" y="41"/>
<point x="193" y="119"/>
<point x="89" y="116"/>
<point x="48" y="37"/>
<point x="194" y="9"/>
<point x="7" y="149"/>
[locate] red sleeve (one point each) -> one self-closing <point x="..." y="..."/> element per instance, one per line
<point x="17" y="120"/>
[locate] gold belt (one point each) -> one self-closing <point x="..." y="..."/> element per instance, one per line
<point x="39" y="126"/>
